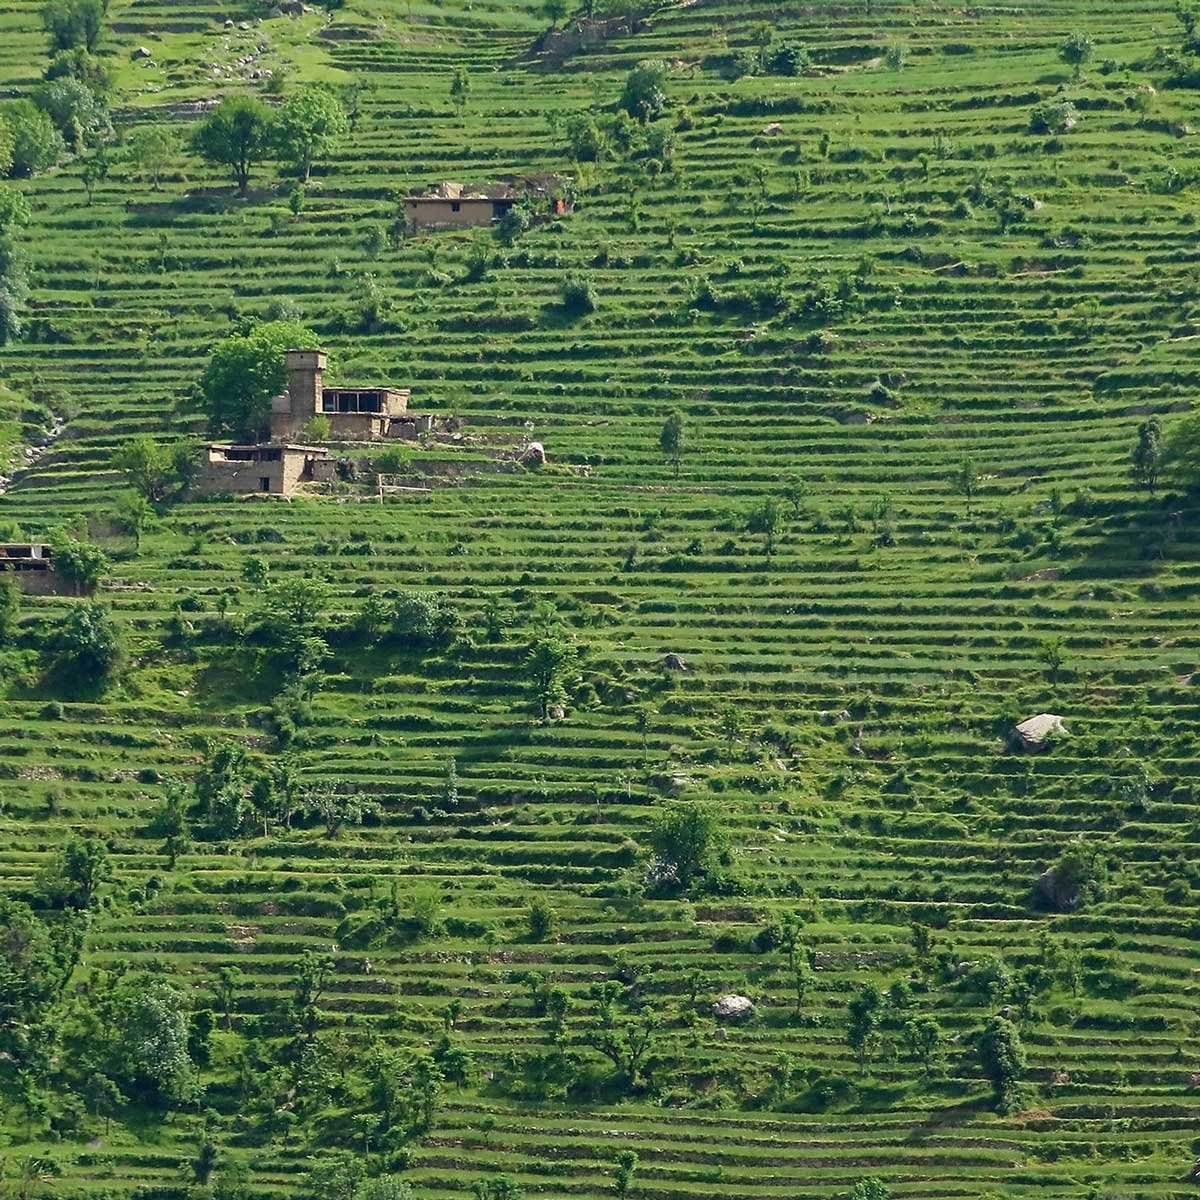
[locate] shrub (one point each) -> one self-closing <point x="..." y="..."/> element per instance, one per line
<point x="79" y="562"/>
<point x="543" y="920"/>
<point x="1079" y="877"/>
<point x="1003" y="1058"/>
<point x="424" y="620"/>
<point x="1181" y="453"/>
<point x="10" y="608"/>
<point x="1053" y="116"/>
<point x="644" y="96"/>
<point x="788" y="59"/>
<point x="87" y="647"/>
<point x="586" y="141"/>
<point x="578" y="295"/>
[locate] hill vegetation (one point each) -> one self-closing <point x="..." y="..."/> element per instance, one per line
<point x="646" y="823"/>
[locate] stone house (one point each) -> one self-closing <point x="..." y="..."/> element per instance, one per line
<point x="451" y="205"/>
<point x="32" y="565"/>
<point x="358" y="414"/>
<point x="271" y="469"/>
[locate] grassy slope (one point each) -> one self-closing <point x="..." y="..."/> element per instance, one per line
<point x="1035" y="356"/>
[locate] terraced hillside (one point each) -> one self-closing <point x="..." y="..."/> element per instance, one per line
<point x="899" y="288"/>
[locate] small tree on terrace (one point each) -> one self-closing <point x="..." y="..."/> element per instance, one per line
<point x="1052" y="653"/>
<point x="153" y="468"/>
<point x="499" y="1187"/>
<point x="550" y="666"/>
<point x="245" y="371"/>
<point x="1002" y="1058"/>
<point x="236" y="135"/>
<point x="460" y="89"/>
<point x="866" y="1016"/>
<point x="77" y="873"/>
<point x="966" y="481"/>
<point x="688" y="839"/>
<point x="168" y="821"/>
<point x="335" y="807"/>
<point x="766" y="519"/>
<point x="310" y="123"/>
<point x="79" y="562"/>
<point x="923" y="1040"/>
<point x="871" y="1188"/>
<point x="1181" y="454"/>
<point x="87" y="648"/>
<point x="554" y="11"/>
<point x="671" y="439"/>
<point x="1146" y="464"/>
<point x="1076" y="51"/>
<point x="626" y="1039"/>
<point x="644" y="96"/>
<point x="135" y="514"/>
<point x="150" y="150"/>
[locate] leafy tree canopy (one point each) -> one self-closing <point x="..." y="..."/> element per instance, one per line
<point x="310" y="123"/>
<point x="245" y="371"/>
<point x="36" y="143"/>
<point x="87" y="647"/>
<point x="688" y="838"/>
<point x="74" y="23"/>
<point x="645" y="94"/>
<point x="237" y="134"/>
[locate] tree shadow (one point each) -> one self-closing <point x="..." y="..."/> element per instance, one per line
<point x="199" y="202"/>
<point x="1135" y="539"/>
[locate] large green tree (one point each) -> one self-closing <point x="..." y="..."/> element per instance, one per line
<point x="74" y="23"/>
<point x="149" y="1054"/>
<point x="87" y="647"/>
<point x="687" y="838"/>
<point x="36" y="143"/>
<point x="36" y="958"/>
<point x="78" y="113"/>
<point x="310" y="123"/>
<point x="245" y="371"/>
<point x="237" y="134"/>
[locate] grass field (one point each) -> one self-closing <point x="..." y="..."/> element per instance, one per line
<point x="904" y="277"/>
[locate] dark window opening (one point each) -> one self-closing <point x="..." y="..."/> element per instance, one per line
<point x="348" y="400"/>
<point x="264" y="483"/>
<point x="455" y="206"/>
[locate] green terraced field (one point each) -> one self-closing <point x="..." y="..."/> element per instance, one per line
<point x="902" y="278"/>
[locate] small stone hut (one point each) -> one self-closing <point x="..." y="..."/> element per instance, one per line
<point x="450" y="205"/>
<point x="32" y="565"/>
<point x="271" y="469"/>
